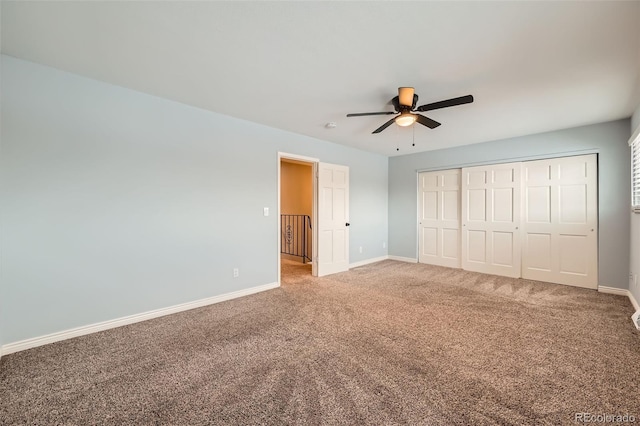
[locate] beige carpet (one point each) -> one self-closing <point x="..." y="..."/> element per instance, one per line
<point x="387" y="343"/>
<point x="293" y="271"/>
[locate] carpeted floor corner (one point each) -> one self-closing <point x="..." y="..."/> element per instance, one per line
<point x="386" y="343"/>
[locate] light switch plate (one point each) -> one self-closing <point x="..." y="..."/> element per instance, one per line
<point x="266" y="211"/>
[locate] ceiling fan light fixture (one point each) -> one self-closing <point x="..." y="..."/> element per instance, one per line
<point x="405" y="104"/>
<point x="405" y="119"/>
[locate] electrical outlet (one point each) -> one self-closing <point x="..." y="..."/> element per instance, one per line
<point x="636" y="319"/>
<point x="360" y="249"/>
<point x="236" y="272"/>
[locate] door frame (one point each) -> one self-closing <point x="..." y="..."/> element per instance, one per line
<point x="314" y="221"/>
<point x="461" y="165"/>
<point x="497" y="162"/>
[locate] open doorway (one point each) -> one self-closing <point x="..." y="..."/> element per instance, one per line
<point x="297" y="215"/>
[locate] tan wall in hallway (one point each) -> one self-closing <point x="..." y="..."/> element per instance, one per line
<point x="296" y="189"/>
<point x="296" y="194"/>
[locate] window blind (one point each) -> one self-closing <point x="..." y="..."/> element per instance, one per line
<point x="635" y="175"/>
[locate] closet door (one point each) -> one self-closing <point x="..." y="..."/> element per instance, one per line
<point x="439" y="213"/>
<point x="490" y="219"/>
<point x="559" y="228"/>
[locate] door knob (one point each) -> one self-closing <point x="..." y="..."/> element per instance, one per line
<point x="347" y="224"/>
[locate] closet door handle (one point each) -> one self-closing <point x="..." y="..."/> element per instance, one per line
<point x="347" y="224"/>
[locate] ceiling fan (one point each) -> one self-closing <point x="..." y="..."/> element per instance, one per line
<point x="405" y="108"/>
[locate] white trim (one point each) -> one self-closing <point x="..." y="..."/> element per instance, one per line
<point x="314" y="209"/>
<point x="613" y="290"/>
<point x="525" y="158"/>
<point x="131" y="319"/>
<point x="620" y="292"/>
<point x="634" y="302"/>
<point x="297" y="157"/>
<point x="633" y="137"/>
<point x="367" y="261"/>
<point x="404" y="259"/>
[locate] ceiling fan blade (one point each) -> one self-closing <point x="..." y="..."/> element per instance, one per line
<point x="432" y="124"/>
<point x="384" y="126"/>
<point x="405" y="95"/>
<point x="362" y="114"/>
<point x="448" y="103"/>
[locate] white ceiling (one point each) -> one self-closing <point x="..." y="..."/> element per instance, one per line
<point x="531" y="66"/>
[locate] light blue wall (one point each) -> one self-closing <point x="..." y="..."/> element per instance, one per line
<point x="1" y="208"/>
<point x="608" y="139"/>
<point x="115" y="202"/>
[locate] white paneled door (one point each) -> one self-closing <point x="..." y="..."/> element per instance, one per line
<point x="491" y="219"/>
<point x="559" y="227"/>
<point x="333" y="219"/>
<point x="439" y="222"/>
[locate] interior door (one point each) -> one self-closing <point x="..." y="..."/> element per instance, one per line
<point x="439" y="218"/>
<point x="491" y="218"/>
<point x="333" y="219"/>
<point x="559" y="227"/>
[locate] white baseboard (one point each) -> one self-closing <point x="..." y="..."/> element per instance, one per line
<point x="118" y="322"/>
<point x="613" y="290"/>
<point x="367" y="261"/>
<point x="620" y="292"/>
<point x="404" y="259"/>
